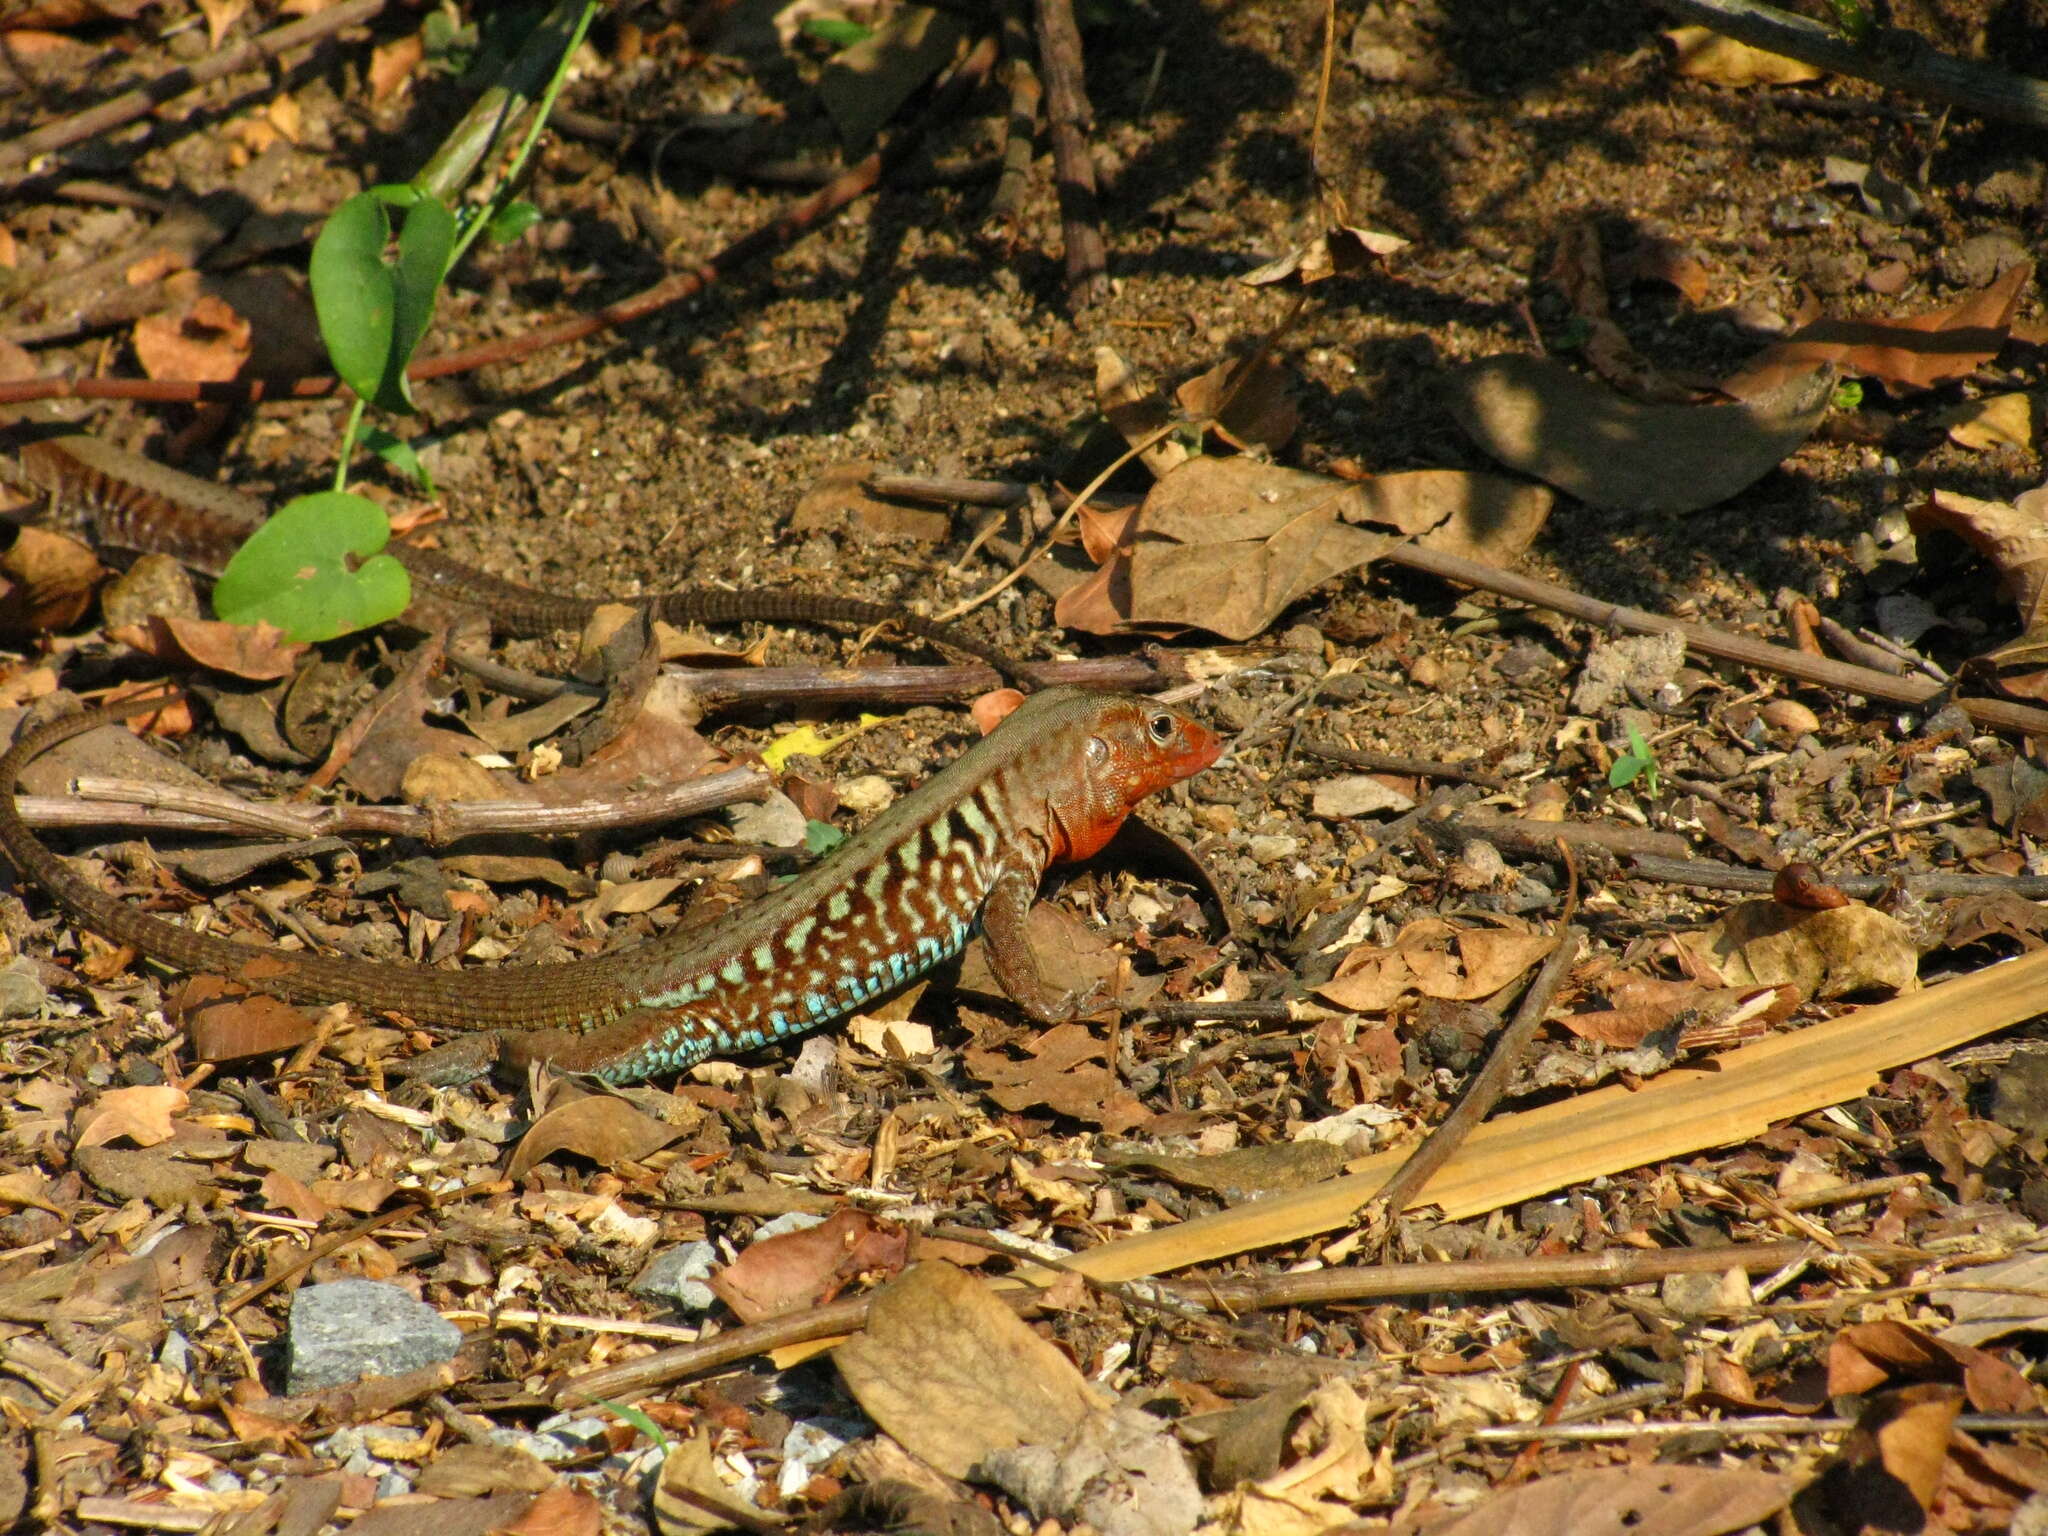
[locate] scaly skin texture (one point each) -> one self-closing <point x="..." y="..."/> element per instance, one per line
<point x="963" y="851"/>
<point x="139" y="505"/>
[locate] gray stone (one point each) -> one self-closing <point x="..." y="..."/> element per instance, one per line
<point x="348" y="1329"/>
<point x="776" y="821"/>
<point x="1357" y="794"/>
<point x="1979" y="259"/>
<point x="677" y="1276"/>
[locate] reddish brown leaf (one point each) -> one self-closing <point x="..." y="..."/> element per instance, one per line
<point x="1889" y="1469"/>
<point x="1913" y="352"/>
<point x="1868" y="1354"/>
<point x="50" y="581"/>
<point x="227" y="1023"/>
<point x="1800" y="885"/>
<point x="801" y="1269"/>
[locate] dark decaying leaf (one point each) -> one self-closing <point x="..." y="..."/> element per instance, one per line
<point x="228" y="1023"/>
<point x="1545" y="420"/>
<point x="1867" y="1355"/>
<point x="2013" y="536"/>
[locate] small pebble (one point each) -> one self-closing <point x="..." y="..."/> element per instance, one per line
<point x="1356" y="794"/>
<point x="1272" y="848"/>
<point x="1789" y="716"/>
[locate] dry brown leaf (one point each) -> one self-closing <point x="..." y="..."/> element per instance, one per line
<point x="692" y="1497"/>
<point x="1544" y="419"/>
<point x="1336" y="252"/>
<point x="1065" y="1072"/>
<point x="1916" y="352"/>
<point x="1260" y="414"/>
<point x="1865" y="1356"/>
<point x="1630" y="1501"/>
<point x="1338" y="1471"/>
<point x="1580" y="274"/>
<point x="50" y="581"/>
<point x="838" y="499"/>
<point x="1655" y="259"/>
<point x="1996" y="421"/>
<point x="258" y="652"/>
<point x="606" y="1130"/>
<point x="1827" y="953"/>
<point x="207" y="342"/>
<point x="560" y="1511"/>
<point x="142" y="1114"/>
<point x="221" y="15"/>
<point x="1436" y="959"/>
<point x="953" y="1374"/>
<point x="392" y="64"/>
<point x="1982" y="1314"/>
<point x="227" y="1023"/>
<point x="803" y="1268"/>
<point x="1225" y="545"/>
<point x="1137" y="409"/>
<point x="1701" y="54"/>
<point x="2013" y="536"/>
<point x="1889" y="1469"/>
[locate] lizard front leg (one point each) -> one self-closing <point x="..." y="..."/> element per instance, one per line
<point x="1003" y="927"/>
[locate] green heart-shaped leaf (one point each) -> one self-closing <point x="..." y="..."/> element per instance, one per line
<point x="295" y="570"/>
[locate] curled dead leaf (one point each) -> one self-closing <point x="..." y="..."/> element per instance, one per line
<point x="1801" y="885"/>
<point x="1545" y="420"/>
<point x="606" y="1130"/>
<point x="1828" y="953"/>
<point x="1913" y="352"/>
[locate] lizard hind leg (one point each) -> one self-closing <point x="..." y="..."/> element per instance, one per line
<point x="645" y="1043"/>
<point x="1004" y="932"/>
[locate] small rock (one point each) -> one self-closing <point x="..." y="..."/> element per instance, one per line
<point x="867" y="794"/>
<point x="1981" y="258"/>
<point x="1479" y="867"/>
<point x="677" y="1276"/>
<point x="348" y="1329"/>
<point x="1836" y="272"/>
<point x="1637" y="665"/>
<point x="1789" y="716"/>
<point x="1525" y="658"/>
<point x="792" y="1221"/>
<point x="1357" y="794"/>
<point x="1272" y="848"/>
<point x="776" y="821"/>
<point x="155" y="586"/>
<point x="2016" y="189"/>
<point x="1706" y="1295"/>
<point x="1428" y="672"/>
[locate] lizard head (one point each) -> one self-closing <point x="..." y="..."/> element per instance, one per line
<point x="1134" y="747"/>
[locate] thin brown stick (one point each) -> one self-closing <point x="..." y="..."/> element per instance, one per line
<point x="1709" y="874"/>
<point x="1068" y="117"/>
<point x="16" y="158"/>
<point x="1612" y="1267"/>
<point x="744" y="252"/>
<point x="1753" y="1424"/>
<point x="202" y="808"/>
<point x="1893" y="58"/>
<point x="1521" y="835"/>
<point x="1392" y="762"/>
<point x="1486" y="1087"/>
<point x="1914" y="692"/>
<point x="1021" y="129"/>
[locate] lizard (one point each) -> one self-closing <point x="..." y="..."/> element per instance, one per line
<point x="962" y="852"/>
<point x="135" y="504"/>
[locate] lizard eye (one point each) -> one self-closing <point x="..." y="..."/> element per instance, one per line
<point x="1161" y="726"/>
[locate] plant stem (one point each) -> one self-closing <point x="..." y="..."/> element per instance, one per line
<point x="347" y="452"/>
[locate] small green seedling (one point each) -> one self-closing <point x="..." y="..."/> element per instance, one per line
<point x="1848" y="396"/>
<point x="374" y="291"/>
<point x="1640" y="761"/>
<point x="299" y="571"/>
<point x="639" y="1420"/>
